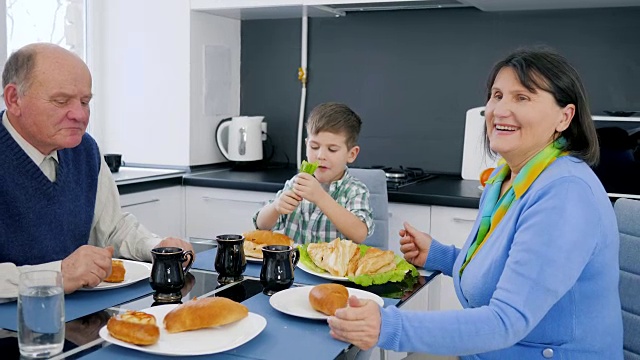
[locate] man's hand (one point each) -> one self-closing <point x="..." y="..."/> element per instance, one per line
<point x="358" y="324"/>
<point x="175" y="242"/>
<point x="287" y="202"/>
<point x="87" y="266"/>
<point x="308" y="187"/>
<point x="415" y="245"/>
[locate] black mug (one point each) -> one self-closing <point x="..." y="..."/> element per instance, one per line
<point x="230" y="261"/>
<point x="278" y="262"/>
<point x="114" y="161"/>
<point x="167" y="274"/>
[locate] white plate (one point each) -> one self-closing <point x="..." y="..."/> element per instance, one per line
<point x="325" y="275"/>
<point x="196" y="342"/>
<point x="481" y="188"/>
<point x="135" y="271"/>
<point x="295" y="301"/>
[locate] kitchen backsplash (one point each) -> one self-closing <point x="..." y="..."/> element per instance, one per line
<point x="412" y="75"/>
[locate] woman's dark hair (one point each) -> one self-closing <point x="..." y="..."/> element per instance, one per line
<point x="548" y="71"/>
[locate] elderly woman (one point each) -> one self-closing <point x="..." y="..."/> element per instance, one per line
<point x="538" y="275"/>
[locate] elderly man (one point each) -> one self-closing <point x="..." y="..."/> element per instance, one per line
<point x="59" y="206"/>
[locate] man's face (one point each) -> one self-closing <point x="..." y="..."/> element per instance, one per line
<point x="53" y="113"/>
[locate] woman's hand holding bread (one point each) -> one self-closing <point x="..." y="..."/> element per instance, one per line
<point x="327" y="298"/>
<point x="358" y="324"/>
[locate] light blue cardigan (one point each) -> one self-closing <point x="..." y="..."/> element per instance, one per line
<point x="544" y="283"/>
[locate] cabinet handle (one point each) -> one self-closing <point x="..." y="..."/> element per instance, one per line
<point x="140" y="203"/>
<point x="209" y="198"/>
<point x="461" y="220"/>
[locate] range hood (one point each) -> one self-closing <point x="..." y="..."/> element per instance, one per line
<point x="396" y="5"/>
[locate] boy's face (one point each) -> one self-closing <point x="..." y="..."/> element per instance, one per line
<point x="331" y="152"/>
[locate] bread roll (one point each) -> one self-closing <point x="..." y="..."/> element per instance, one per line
<point x="204" y="313"/>
<point x="117" y="272"/>
<point x="327" y="298"/>
<point x="256" y="239"/>
<point x="134" y="327"/>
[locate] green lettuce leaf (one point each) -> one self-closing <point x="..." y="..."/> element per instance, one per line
<point x="396" y="275"/>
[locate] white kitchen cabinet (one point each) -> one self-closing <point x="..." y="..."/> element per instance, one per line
<point x="159" y="210"/>
<point x="213" y="211"/>
<point x="165" y="80"/>
<point x="419" y="216"/>
<point x="258" y="9"/>
<point x="449" y="225"/>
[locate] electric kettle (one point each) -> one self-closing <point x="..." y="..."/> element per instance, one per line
<point x="240" y="138"/>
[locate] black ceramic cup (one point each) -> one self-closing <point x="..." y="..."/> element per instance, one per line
<point x="114" y="161"/>
<point x="278" y="262"/>
<point x="230" y="261"/>
<point x="167" y="274"/>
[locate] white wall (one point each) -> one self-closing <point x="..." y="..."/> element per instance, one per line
<point x="3" y="38"/>
<point x="223" y="35"/>
<point x="147" y="57"/>
<point x="141" y="81"/>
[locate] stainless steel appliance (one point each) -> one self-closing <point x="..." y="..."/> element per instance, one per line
<point x="398" y="177"/>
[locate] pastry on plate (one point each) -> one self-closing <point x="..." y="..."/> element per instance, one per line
<point x="117" y="272"/>
<point x="135" y="327"/>
<point x="327" y="298"/>
<point x="203" y="313"/>
<point x="256" y="239"/>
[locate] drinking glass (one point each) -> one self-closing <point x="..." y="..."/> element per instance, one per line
<point x="40" y="313"/>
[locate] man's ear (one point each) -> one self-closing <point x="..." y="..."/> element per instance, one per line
<point x="353" y="154"/>
<point x="12" y="99"/>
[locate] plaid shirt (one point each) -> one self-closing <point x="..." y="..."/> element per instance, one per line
<point x="307" y="223"/>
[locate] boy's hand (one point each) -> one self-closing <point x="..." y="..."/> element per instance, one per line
<point x="308" y="188"/>
<point x="287" y="202"/>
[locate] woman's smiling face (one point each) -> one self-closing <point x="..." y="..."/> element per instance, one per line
<point x="520" y="122"/>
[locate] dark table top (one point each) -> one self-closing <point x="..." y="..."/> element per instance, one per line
<point x="82" y="339"/>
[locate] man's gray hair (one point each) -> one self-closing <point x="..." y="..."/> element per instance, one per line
<point x="19" y="68"/>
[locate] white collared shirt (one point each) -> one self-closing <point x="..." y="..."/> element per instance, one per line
<point x="110" y="226"/>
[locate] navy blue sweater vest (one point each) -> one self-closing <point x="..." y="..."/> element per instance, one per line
<point x="40" y="220"/>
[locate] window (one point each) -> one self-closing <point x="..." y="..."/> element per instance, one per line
<point x="60" y="22"/>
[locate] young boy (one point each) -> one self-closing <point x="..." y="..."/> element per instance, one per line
<point x="330" y="203"/>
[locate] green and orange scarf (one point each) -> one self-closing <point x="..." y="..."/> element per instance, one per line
<point x="496" y="206"/>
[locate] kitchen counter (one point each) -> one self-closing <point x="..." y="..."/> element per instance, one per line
<point x="136" y="179"/>
<point x="441" y="190"/>
<point x="129" y="175"/>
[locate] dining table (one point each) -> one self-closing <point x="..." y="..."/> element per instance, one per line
<point x="284" y="336"/>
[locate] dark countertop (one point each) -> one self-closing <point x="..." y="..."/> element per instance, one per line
<point x="442" y="190"/>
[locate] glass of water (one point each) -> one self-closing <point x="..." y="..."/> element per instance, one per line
<point x="40" y="313"/>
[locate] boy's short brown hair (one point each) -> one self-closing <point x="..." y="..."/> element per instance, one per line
<point x="335" y="118"/>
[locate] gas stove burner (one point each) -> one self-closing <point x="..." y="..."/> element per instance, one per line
<point x="398" y="177"/>
<point x="392" y="174"/>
